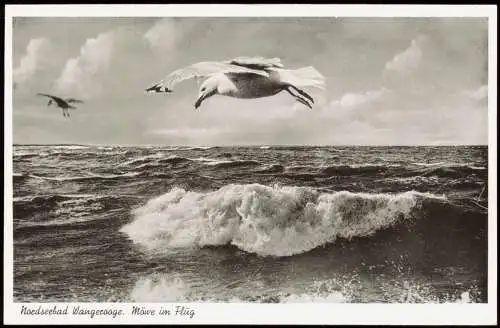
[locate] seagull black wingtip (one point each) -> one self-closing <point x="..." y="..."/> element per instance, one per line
<point x="158" y="89"/>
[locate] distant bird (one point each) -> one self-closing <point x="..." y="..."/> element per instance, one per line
<point x="245" y="77"/>
<point x="64" y="104"/>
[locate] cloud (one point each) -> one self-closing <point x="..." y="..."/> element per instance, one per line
<point x="478" y="94"/>
<point x="192" y="135"/>
<point x="188" y="132"/>
<point x="355" y="100"/>
<point x="80" y="76"/>
<point x="162" y="36"/>
<point x="408" y="60"/>
<point x="35" y="59"/>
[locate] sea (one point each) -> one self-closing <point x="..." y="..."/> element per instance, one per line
<point x="264" y="224"/>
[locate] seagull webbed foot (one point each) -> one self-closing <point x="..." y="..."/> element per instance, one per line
<point x="298" y="97"/>
<point x="303" y="93"/>
<point x="304" y="102"/>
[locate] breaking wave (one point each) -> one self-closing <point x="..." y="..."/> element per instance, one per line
<point x="269" y="221"/>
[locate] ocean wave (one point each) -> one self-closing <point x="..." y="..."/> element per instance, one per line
<point x="205" y="160"/>
<point x="197" y="148"/>
<point x="269" y="221"/>
<point x="18" y="177"/>
<point x="428" y="164"/>
<point x="68" y="217"/>
<point x="42" y="198"/>
<point x="472" y="166"/>
<point x="299" y="168"/>
<point x="142" y="160"/>
<point x="342" y="170"/>
<point x="411" y="180"/>
<point x="90" y="176"/>
<point x="233" y="163"/>
<point x="25" y="154"/>
<point x="66" y="209"/>
<point x="439" y="170"/>
<point x="173" y="160"/>
<point x="346" y="169"/>
<point x="70" y="147"/>
<point x="159" y="160"/>
<point x="456" y="171"/>
<point x="271" y="169"/>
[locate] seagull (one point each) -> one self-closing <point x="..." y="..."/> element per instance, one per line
<point x="64" y="104"/>
<point x="246" y="78"/>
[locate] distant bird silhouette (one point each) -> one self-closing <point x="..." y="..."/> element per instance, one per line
<point x="64" y="104"/>
<point x="247" y="78"/>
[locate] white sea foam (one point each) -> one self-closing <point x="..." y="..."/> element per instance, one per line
<point x="142" y="159"/>
<point x="90" y="175"/>
<point x="21" y="153"/>
<point x="471" y="166"/>
<point x="418" y="292"/>
<point x="276" y="221"/>
<point x="197" y="148"/>
<point x="171" y="290"/>
<point x="157" y="288"/>
<point x="206" y="160"/>
<point x="71" y="147"/>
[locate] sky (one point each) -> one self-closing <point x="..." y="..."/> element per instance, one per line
<point x="389" y="81"/>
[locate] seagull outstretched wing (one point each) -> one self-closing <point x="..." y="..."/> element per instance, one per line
<point x="259" y="63"/>
<point x="50" y="96"/>
<point x="73" y="100"/>
<point x="202" y="69"/>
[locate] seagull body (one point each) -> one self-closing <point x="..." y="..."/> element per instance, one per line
<point x="64" y="104"/>
<point x="246" y="78"/>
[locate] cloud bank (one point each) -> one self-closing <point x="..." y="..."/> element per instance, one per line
<point x="34" y="60"/>
<point x="162" y="36"/>
<point x="80" y="76"/>
<point x="478" y="94"/>
<point x="355" y="100"/>
<point x="408" y="60"/>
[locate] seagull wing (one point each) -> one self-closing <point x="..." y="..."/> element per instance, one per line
<point x="202" y="69"/>
<point x="259" y="63"/>
<point x="73" y="100"/>
<point x="50" y="96"/>
<point x="60" y="102"/>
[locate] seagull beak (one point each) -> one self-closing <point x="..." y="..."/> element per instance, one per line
<point x="202" y="97"/>
<point x="199" y="101"/>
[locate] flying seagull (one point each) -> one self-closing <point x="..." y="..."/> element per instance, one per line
<point x="245" y="77"/>
<point x="64" y="104"/>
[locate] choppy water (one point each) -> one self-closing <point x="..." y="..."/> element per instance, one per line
<point x="250" y="224"/>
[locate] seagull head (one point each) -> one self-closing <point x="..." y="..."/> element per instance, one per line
<point x="207" y="89"/>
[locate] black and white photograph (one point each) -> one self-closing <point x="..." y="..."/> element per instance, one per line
<point x="253" y="159"/>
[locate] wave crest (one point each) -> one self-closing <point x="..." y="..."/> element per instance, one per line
<point x="276" y="221"/>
